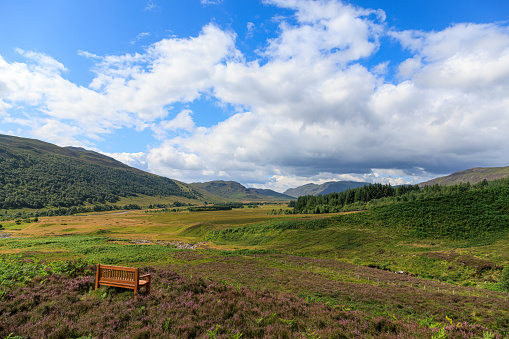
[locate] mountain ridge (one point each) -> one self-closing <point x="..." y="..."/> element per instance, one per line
<point x="472" y="175"/>
<point x="8" y="142"/>
<point x="236" y="191"/>
<point x="325" y="188"/>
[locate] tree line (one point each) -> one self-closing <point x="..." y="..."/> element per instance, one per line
<point x="9" y="215"/>
<point x="337" y="202"/>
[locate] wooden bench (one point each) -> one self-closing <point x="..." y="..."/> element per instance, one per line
<point x="125" y="277"/>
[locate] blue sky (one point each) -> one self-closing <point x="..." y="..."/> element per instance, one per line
<point x="269" y="93"/>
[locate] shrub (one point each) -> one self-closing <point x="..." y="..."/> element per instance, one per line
<point x="504" y="281"/>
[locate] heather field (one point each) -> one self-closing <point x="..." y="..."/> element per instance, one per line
<point x="247" y="273"/>
<point x="200" y="302"/>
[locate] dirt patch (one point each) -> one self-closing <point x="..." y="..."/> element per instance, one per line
<point x="449" y="257"/>
<point x="480" y="265"/>
<point x="178" y="244"/>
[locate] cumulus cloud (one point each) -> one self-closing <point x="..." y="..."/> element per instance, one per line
<point x="469" y="57"/>
<point x="128" y="90"/>
<point x="319" y="118"/>
<point x="308" y="110"/>
<point x="178" y="70"/>
<point x="182" y="122"/>
<point x="343" y="32"/>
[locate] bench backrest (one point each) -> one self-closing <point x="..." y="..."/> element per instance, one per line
<point x="118" y="274"/>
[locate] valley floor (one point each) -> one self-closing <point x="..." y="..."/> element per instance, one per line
<point x="273" y="277"/>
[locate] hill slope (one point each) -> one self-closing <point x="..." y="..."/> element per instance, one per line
<point x="473" y="175"/>
<point x="325" y="188"/>
<point x="36" y="174"/>
<point x="235" y="191"/>
<point x="11" y="146"/>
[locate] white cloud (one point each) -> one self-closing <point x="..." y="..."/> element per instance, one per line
<point x="342" y="31"/>
<point x="59" y="132"/>
<point x="381" y="69"/>
<point x="211" y="2"/>
<point x="250" y="29"/>
<point x="409" y="67"/>
<point x="169" y="161"/>
<point x="138" y="38"/>
<point x="43" y="62"/>
<point x="151" y="6"/>
<point x="182" y="122"/>
<point x="138" y="160"/>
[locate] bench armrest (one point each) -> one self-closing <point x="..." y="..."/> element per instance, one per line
<point x="145" y="277"/>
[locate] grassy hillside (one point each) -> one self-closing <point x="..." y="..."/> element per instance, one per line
<point x="325" y="188"/>
<point x="35" y="174"/>
<point x="394" y="233"/>
<point x="234" y="191"/>
<point x="11" y="146"/>
<point x="473" y="176"/>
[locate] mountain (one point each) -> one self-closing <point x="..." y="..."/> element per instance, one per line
<point x="325" y="188"/>
<point x="235" y="191"/>
<point x="36" y="174"/>
<point x="472" y="176"/>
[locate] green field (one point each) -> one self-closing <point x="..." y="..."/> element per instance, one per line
<point x="323" y="276"/>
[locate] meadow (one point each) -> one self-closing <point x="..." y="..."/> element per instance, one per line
<point x="247" y="273"/>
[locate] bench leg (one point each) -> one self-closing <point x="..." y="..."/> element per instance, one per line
<point x="97" y="276"/>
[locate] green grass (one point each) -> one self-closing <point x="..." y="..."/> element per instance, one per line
<point x="15" y="269"/>
<point x="341" y="238"/>
<point x="95" y="249"/>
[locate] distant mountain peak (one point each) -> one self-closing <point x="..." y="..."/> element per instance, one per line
<point x="325" y="188"/>
<point x="236" y="191"/>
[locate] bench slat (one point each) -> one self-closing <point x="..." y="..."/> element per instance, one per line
<point x="120" y="281"/>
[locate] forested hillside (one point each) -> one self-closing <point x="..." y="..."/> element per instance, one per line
<point x="464" y="212"/>
<point x="35" y="174"/>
